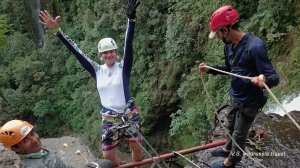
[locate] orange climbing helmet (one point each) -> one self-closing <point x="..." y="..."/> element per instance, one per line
<point x="14" y="132"/>
<point x="224" y="16"/>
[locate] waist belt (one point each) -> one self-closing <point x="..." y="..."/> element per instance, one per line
<point x="130" y="109"/>
<point x="108" y="113"/>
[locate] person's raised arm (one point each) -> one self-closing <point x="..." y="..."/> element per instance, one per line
<point x="130" y="10"/>
<point x="53" y="24"/>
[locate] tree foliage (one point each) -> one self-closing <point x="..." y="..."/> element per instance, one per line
<point x="4" y="29"/>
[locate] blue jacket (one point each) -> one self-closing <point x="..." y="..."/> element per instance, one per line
<point x="248" y="58"/>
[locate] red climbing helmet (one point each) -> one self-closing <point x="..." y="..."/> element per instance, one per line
<point x="224" y="16"/>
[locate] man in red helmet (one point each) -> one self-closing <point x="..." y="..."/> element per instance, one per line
<point x="244" y="55"/>
<point x="20" y="137"/>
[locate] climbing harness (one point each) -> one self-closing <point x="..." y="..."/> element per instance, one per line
<point x="256" y="140"/>
<point x="127" y="124"/>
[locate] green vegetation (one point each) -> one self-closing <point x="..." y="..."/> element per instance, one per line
<point x="48" y="87"/>
<point x="4" y="28"/>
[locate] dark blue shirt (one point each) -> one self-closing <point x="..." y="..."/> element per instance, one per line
<point x="248" y="58"/>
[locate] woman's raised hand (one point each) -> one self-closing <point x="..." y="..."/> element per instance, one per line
<point x="130" y="8"/>
<point x="48" y="21"/>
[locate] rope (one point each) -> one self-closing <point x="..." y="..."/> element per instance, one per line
<point x="277" y="101"/>
<point x="228" y="73"/>
<point x="133" y="127"/>
<point x="211" y="131"/>
<point x="148" y="153"/>
<point x="177" y="153"/>
<point x="79" y="153"/>
<point x="268" y="89"/>
<point x="222" y="125"/>
<point x="154" y="164"/>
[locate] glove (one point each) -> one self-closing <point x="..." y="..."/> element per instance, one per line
<point x="130" y="9"/>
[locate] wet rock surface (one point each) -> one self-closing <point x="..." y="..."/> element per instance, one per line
<point x="281" y="144"/>
<point x="8" y="159"/>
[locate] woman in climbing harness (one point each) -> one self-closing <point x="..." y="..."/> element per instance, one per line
<point x="112" y="80"/>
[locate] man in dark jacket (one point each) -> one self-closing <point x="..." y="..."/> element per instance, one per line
<point x="245" y="55"/>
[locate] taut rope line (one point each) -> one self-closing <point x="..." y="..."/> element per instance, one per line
<point x="265" y="85"/>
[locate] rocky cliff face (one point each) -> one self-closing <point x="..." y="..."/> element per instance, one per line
<point x="8" y="159"/>
<point x="279" y="146"/>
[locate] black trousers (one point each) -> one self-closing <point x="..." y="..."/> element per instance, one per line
<point x="239" y="120"/>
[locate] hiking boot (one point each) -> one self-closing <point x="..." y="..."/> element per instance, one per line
<point x="221" y="165"/>
<point x="219" y="152"/>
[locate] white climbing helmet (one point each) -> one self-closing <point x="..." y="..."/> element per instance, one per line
<point x="107" y="44"/>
